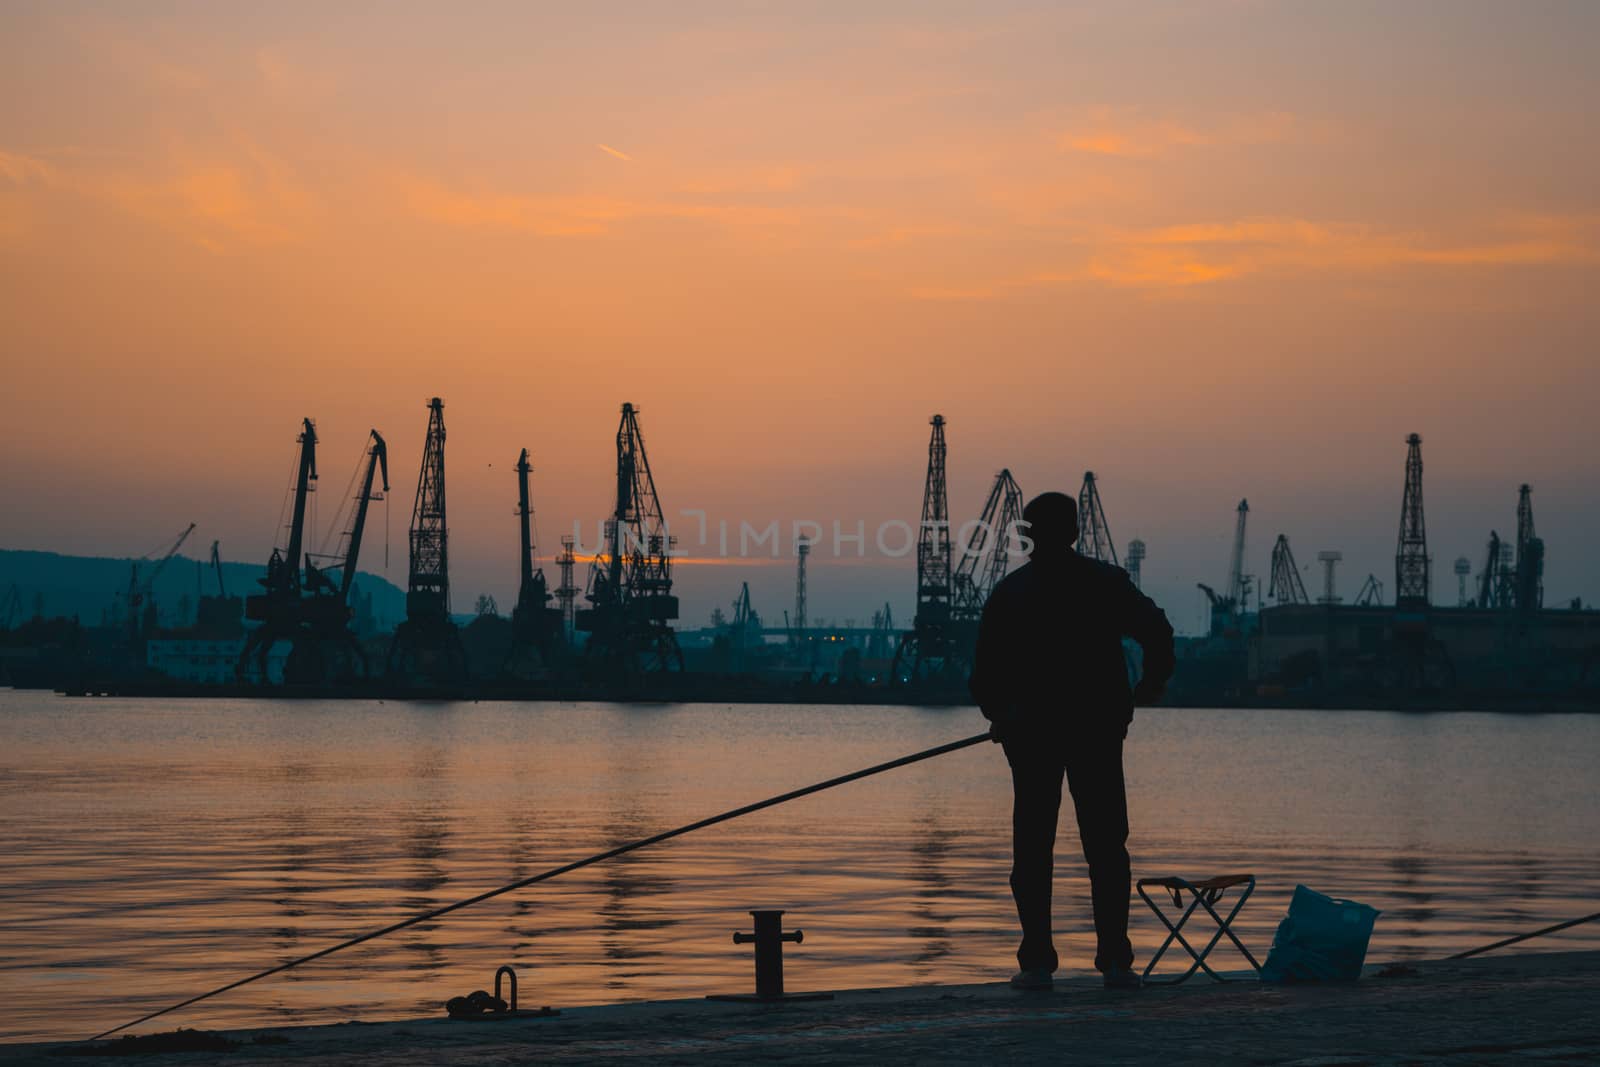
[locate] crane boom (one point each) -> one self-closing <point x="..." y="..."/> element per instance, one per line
<point x="161" y="564"/>
<point x="1236" y="579"/>
<point x="302" y="486"/>
<point x="377" y="456"/>
<point x="1094" y="532"/>
<point x="216" y="567"/>
<point x="524" y="513"/>
<point x="1489" y="578"/>
<point x="986" y="557"/>
<point x="139" y="591"/>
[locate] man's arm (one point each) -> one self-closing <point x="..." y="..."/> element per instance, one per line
<point x="1147" y="624"/>
<point x="988" y="683"/>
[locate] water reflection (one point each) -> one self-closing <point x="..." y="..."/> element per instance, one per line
<point x="1410" y="872"/>
<point x="243" y="833"/>
<point x="629" y="885"/>
<point x="930" y="850"/>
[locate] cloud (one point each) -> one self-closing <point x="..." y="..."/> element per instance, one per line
<point x="1126" y="134"/>
<point x="1198" y="253"/>
<point x="19" y="169"/>
<point x="608" y="150"/>
<point x="1206" y="253"/>
<point x="235" y="190"/>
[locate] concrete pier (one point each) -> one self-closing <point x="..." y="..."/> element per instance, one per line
<point x="1512" y="1008"/>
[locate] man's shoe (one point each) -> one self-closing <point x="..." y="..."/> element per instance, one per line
<point x="1122" y="978"/>
<point x="1036" y="978"/>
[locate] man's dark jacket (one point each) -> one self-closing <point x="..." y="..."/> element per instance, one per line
<point x="1049" y="662"/>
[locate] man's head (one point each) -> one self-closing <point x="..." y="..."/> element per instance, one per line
<point x="1052" y="520"/>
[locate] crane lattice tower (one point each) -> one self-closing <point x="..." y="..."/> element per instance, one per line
<point x="926" y="648"/>
<point x="1412" y="568"/>
<point x="630" y="583"/>
<point x="427" y="646"/>
<point x="1530" y="555"/>
<point x="567" y="591"/>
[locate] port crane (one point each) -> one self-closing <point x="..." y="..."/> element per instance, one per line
<point x="630" y="581"/>
<point x="218" y="616"/>
<point x="427" y="647"/>
<point x="929" y="648"/>
<point x="1413" y="573"/>
<point x="277" y="607"/>
<point x="375" y="461"/>
<point x="141" y="592"/>
<point x="1238" y="581"/>
<point x="879" y="644"/>
<point x="1227" y="608"/>
<point x="1529" y="567"/>
<point x="987" y="555"/>
<point x="536" y="627"/>
<point x="1286" y="587"/>
<point x="216" y="569"/>
<point x="1094" y="532"/>
<point x="744" y="632"/>
<point x="325" y="647"/>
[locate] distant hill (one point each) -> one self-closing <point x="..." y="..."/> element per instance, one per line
<point x="92" y="588"/>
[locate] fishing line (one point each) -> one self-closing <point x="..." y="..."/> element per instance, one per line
<point x="553" y="872"/>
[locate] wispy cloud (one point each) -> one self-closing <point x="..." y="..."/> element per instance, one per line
<point x="1206" y="252"/>
<point x="1197" y="254"/>
<point x="1126" y="133"/>
<point x="619" y="154"/>
<point x="235" y="190"/>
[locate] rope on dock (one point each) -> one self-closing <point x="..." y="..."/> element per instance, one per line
<point x="598" y="857"/>
<point x="1524" y="937"/>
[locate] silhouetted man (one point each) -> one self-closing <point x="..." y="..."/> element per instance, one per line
<point x="1051" y="678"/>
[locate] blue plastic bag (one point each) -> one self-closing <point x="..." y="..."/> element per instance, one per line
<point x="1319" y="940"/>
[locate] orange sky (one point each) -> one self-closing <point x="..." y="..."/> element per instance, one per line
<point x="1211" y="250"/>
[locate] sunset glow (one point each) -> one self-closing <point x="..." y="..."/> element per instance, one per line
<point x="1210" y="250"/>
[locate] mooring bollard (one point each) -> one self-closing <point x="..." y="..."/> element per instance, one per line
<point x="479" y="1005"/>
<point x="509" y="973"/>
<point x="768" y="939"/>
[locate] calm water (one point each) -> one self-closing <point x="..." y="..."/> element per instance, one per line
<point x="153" y="849"/>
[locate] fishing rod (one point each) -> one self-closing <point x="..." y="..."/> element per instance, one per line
<point x="599" y="857"/>
<point x="1524" y="937"/>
